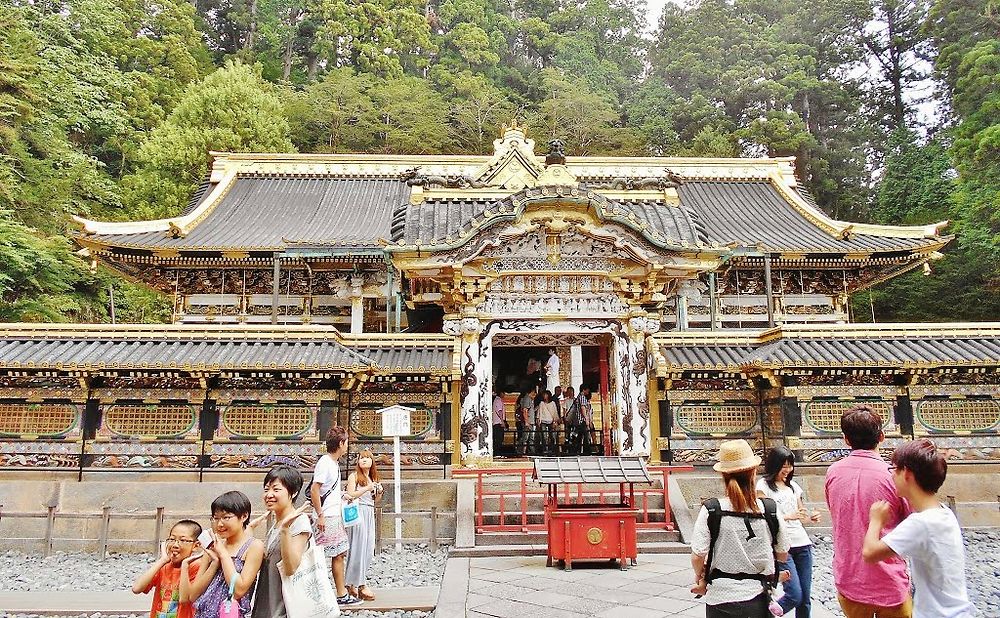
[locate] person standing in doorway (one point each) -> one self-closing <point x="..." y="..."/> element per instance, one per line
<point x="526" y="419"/>
<point x="552" y="371"/>
<point x="853" y="484"/>
<point x="568" y="426"/>
<point x="581" y="416"/>
<point x="557" y="396"/>
<point x="548" y="414"/>
<point x="499" y="423"/>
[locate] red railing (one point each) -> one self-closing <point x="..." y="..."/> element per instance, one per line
<point x="514" y="502"/>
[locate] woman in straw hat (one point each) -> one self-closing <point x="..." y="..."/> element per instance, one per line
<point x="734" y="570"/>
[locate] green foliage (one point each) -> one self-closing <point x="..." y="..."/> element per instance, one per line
<point x="917" y="182"/>
<point x="233" y="110"/>
<point x="109" y="108"/>
<point x="581" y="117"/>
<point x="763" y="78"/>
<point x="408" y="117"/>
<point x="40" y="278"/>
<point x="957" y="289"/>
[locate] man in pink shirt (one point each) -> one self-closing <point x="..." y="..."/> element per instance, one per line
<point x="853" y="484"/>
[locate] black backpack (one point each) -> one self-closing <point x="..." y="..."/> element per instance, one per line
<point x="715" y="515"/>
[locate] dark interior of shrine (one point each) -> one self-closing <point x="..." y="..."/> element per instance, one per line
<point x="511" y="367"/>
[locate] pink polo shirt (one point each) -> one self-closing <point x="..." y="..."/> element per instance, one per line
<point x="853" y="484"/>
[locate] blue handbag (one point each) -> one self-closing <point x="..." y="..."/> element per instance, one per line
<point x="351" y="513"/>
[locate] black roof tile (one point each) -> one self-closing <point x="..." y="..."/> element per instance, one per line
<point x="754" y="213"/>
<point x="272" y="212"/>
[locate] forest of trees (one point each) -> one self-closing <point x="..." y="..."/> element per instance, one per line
<point x="108" y="109"/>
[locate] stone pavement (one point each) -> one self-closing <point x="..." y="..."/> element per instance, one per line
<point x="55" y="603"/>
<point x="519" y="587"/>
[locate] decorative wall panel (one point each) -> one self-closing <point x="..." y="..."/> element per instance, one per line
<point x="39" y="454"/>
<point x="958" y="415"/>
<point x="366" y="422"/>
<point x="163" y="420"/>
<point x="257" y="420"/>
<point x="709" y="419"/>
<point x="144" y="455"/>
<point x="823" y="417"/>
<point x="48" y="420"/>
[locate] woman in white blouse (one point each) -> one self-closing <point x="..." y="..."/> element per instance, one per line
<point x="548" y="415"/>
<point x="777" y="484"/>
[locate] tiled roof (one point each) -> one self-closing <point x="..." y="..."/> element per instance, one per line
<point x="273" y="212"/>
<point x="436" y="220"/>
<point x="409" y="357"/>
<point x="853" y="345"/>
<point x="753" y="213"/>
<point x="888" y="352"/>
<point x="81" y="354"/>
<point x="199" y="195"/>
<point x="717" y="357"/>
<point x="95" y="347"/>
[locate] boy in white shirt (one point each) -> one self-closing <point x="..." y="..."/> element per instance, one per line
<point x="930" y="537"/>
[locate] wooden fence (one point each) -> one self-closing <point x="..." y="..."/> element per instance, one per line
<point x="52" y="515"/>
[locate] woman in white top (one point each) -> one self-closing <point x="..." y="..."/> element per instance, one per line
<point x="777" y="484"/>
<point x="548" y="414"/>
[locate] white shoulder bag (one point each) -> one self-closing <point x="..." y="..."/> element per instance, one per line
<point x="308" y="592"/>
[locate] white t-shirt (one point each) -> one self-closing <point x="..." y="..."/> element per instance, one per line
<point x="932" y="540"/>
<point x="734" y="554"/>
<point x="787" y="499"/>
<point x="328" y="473"/>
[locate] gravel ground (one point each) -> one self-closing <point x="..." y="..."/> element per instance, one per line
<point x="415" y="566"/>
<point x="982" y="569"/>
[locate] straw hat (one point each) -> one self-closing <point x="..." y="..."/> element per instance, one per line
<point x="736" y="455"/>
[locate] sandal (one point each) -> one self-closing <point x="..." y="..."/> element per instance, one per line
<point x="365" y="594"/>
<point x="351" y="590"/>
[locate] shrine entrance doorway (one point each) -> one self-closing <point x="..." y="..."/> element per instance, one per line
<point x="519" y="364"/>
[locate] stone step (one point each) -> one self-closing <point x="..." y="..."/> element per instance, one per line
<point x="541" y="549"/>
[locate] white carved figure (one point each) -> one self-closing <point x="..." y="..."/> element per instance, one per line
<point x="471" y="325"/>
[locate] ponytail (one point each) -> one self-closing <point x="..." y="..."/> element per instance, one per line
<point x="740" y="491"/>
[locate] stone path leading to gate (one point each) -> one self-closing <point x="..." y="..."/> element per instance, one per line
<point x="518" y="587"/>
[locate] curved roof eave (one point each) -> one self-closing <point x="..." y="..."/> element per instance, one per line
<point x="513" y="207"/>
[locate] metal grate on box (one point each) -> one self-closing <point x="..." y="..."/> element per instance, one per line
<point x="549" y="470"/>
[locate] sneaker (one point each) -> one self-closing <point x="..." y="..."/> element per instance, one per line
<point x="775" y="609"/>
<point x="349" y="599"/>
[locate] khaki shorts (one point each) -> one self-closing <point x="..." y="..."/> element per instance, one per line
<point x="853" y="609"/>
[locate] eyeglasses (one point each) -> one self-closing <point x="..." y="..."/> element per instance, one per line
<point x="172" y="541"/>
<point x="224" y="518"/>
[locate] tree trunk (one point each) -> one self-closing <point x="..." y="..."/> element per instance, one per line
<point x="293" y="20"/>
<point x="252" y="31"/>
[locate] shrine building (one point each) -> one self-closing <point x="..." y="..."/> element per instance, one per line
<point x="698" y="299"/>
